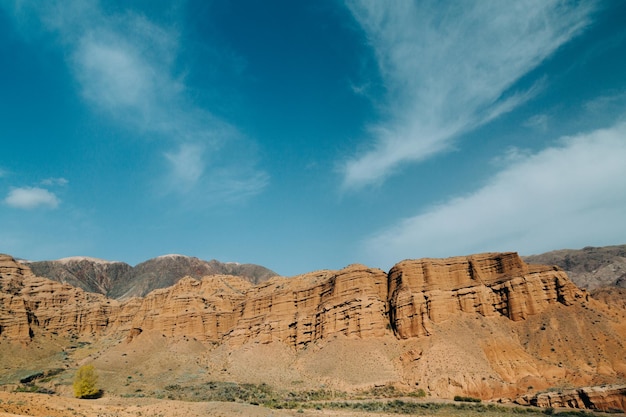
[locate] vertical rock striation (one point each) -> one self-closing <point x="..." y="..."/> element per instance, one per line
<point x="356" y="301"/>
<point x="29" y="303"/>
<point x="426" y="291"/>
<point x="302" y="309"/>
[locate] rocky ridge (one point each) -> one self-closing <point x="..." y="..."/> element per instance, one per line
<point x="590" y="267"/>
<point x="120" y="281"/>
<point x="355" y="301"/>
<point x="487" y="325"/>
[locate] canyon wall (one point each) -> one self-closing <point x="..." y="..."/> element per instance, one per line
<point x="485" y="325"/>
<point x="30" y="305"/>
<point x="426" y="291"/>
<point x="356" y="301"/>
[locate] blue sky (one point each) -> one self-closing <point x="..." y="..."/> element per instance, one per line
<point x="310" y="135"/>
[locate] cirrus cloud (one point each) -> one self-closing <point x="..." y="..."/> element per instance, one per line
<point x="570" y="195"/>
<point x="126" y="68"/>
<point x="449" y="68"/>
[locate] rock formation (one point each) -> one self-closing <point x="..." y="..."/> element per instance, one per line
<point x="207" y="309"/>
<point x="300" y="310"/>
<point x="30" y="304"/>
<point x="485" y="325"/>
<point x="356" y="301"/>
<point x="430" y="290"/>
<point x="607" y="398"/>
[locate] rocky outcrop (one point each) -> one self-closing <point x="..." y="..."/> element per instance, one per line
<point x="608" y="398"/>
<point x="302" y="309"/>
<point x="484" y="325"/>
<point x="14" y="318"/>
<point x="296" y="311"/>
<point x="428" y="291"/>
<point x="206" y="310"/>
<point x="29" y="304"/>
<point x="355" y="301"/>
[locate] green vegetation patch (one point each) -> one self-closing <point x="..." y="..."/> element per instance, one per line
<point x="267" y="396"/>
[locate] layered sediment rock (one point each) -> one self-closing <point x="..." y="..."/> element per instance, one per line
<point x="426" y="291"/>
<point x="29" y="303"/>
<point x="609" y="398"/>
<point x="299" y="310"/>
<point x="496" y="325"/>
<point x="296" y="311"/>
<point x="355" y="301"/>
<point x="207" y="309"/>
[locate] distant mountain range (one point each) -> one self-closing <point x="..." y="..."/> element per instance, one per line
<point x="590" y="267"/>
<point x="120" y="280"/>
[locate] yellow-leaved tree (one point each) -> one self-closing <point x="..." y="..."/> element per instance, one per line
<point x="86" y="382"/>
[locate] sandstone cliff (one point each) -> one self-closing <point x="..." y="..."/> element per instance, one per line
<point x="207" y="309"/>
<point x="430" y="290"/>
<point x="300" y="310"/>
<point x="608" y="398"/>
<point x="485" y="325"/>
<point x="30" y="305"/>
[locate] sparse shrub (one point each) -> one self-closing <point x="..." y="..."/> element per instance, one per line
<point x="420" y="393"/>
<point x="33" y="388"/>
<point x="85" y="382"/>
<point x="466" y="399"/>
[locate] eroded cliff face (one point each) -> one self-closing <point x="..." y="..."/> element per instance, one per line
<point x="608" y="398"/>
<point x="218" y="308"/>
<point x="302" y="309"/>
<point x="30" y="304"/>
<point x="485" y="325"/>
<point x="206" y="309"/>
<point x="356" y="301"/>
<point x="426" y="291"/>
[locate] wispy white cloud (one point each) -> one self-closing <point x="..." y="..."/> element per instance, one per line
<point x="58" y="181"/>
<point x="449" y="68"/>
<point x="538" y="122"/>
<point x="606" y="103"/>
<point x="186" y="164"/>
<point x="511" y="155"/>
<point x="31" y="198"/>
<point x="570" y="195"/>
<point x="126" y="68"/>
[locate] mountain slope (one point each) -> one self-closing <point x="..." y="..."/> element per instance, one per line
<point x="485" y="325"/>
<point x="120" y="280"/>
<point x="589" y="267"/>
<point x="90" y="274"/>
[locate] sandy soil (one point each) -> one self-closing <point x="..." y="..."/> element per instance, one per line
<point x="25" y="404"/>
